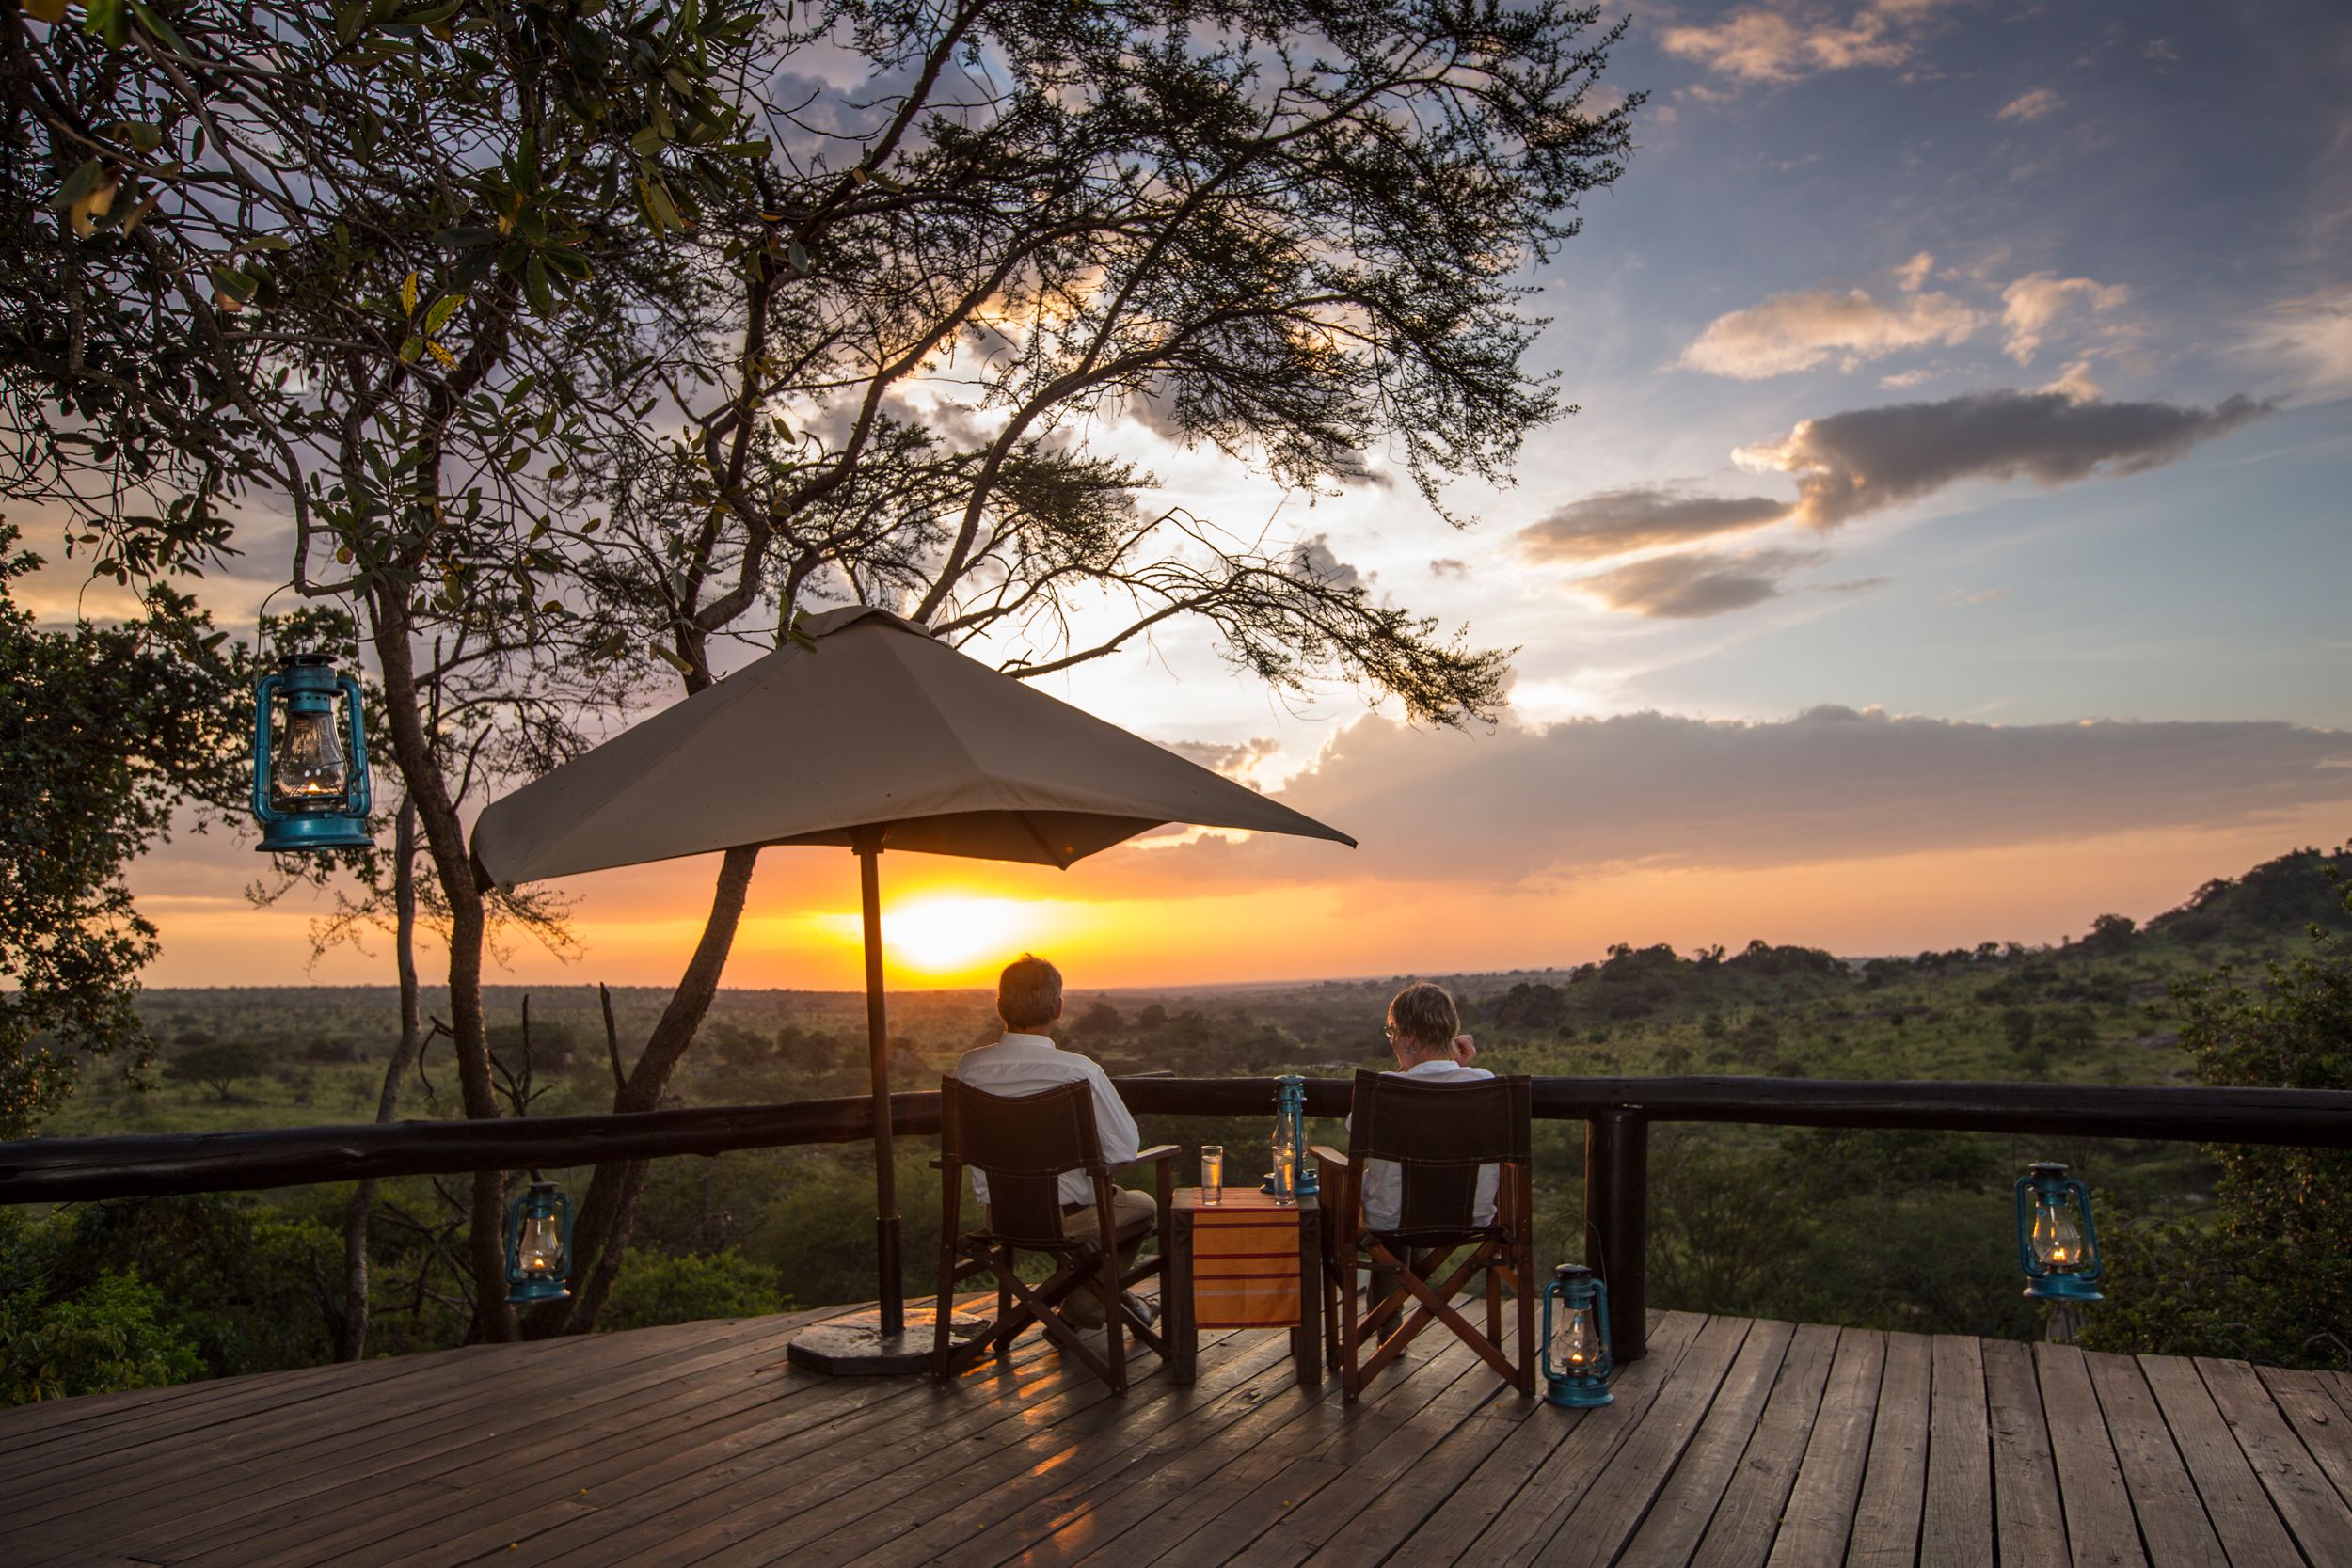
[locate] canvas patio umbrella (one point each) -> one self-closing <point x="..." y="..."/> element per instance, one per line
<point x="871" y="735"/>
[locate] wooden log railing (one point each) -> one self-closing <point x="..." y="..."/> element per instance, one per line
<point x="1617" y="1112"/>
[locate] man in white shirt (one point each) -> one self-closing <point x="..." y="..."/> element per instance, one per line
<point x="1025" y="1061"/>
<point x="1425" y="1032"/>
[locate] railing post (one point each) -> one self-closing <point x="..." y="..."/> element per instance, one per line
<point x="1617" y="1224"/>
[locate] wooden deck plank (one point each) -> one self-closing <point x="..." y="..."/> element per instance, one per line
<point x="271" y="1505"/>
<point x="386" y="1496"/>
<point x="800" y="1470"/>
<point x="1254" y="1486"/>
<point x="2236" y="1504"/>
<point x="1604" y="1518"/>
<point x="1097" y="1497"/>
<point x="1531" y="1461"/>
<point x="398" y="1418"/>
<point x="717" y="1486"/>
<point x="1818" y="1518"/>
<point x="1956" y="1529"/>
<point x="1160" y="1504"/>
<point x="1733" y="1445"/>
<point x="1387" y="1493"/>
<point x="1886" y="1521"/>
<point x="2101" y="1529"/>
<point x="2173" y="1522"/>
<point x="2315" y="1512"/>
<point x="1111" y="1437"/>
<point x="2028" y="1520"/>
<point x="1670" y="1533"/>
<point x="2309" y="1404"/>
<point x="1747" y="1519"/>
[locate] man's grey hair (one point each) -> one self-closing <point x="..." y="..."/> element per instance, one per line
<point x="1424" y="1014"/>
<point x="1029" y="993"/>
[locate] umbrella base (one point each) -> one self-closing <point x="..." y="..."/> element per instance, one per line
<point x="855" y="1346"/>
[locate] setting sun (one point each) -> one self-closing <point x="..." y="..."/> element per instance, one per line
<point x="952" y="936"/>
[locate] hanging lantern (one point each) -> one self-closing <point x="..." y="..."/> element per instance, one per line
<point x="310" y="772"/>
<point x="1576" y="1340"/>
<point x="2057" y="1246"/>
<point x="1292" y="1178"/>
<point x="538" y="1244"/>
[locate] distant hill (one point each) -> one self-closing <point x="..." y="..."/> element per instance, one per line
<point x="2278" y="898"/>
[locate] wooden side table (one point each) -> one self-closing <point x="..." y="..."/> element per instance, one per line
<point x="1247" y="1262"/>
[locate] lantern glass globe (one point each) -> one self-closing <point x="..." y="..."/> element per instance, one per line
<point x="1575" y="1343"/>
<point x="2058" y="1239"/>
<point x="541" y="1252"/>
<point x="309" y="764"/>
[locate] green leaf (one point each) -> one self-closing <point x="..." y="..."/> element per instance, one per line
<point x="443" y="307"/>
<point x="78" y="185"/>
<point x="466" y="237"/>
<point x="108" y="21"/>
<point x="410" y="350"/>
<point x="647" y="141"/>
<point x="665" y="210"/>
<point x="158" y="26"/>
<point x="537" y="285"/>
<point x="409" y="295"/>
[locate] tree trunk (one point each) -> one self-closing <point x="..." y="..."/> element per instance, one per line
<point x="452" y="864"/>
<point x="354" y="1332"/>
<point x="600" y="1234"/>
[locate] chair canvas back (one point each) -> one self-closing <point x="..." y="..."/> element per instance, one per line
<point x="1023" y="1143"/>
<point x="1438" y="1134"/>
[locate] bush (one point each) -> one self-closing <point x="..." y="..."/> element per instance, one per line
<point x="2267" y="1276"/>
<point x="653" y="1290"/>
<point x="104" y="1339"/>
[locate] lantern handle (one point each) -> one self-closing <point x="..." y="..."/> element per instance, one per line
<point x="356" y="724"/>
<point x="2079" y="1191"/>
<point x="264" y="703"/>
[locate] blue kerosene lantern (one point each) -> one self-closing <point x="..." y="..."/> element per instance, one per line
<point x="309" y="773"/>
<point x="1293" y="1175"/>
<point x="1576" y="1358"/>
<point x="538" y="1244"/>
<point x="2057" y="1246"/>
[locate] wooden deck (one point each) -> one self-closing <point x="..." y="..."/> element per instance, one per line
<point x="1733" y="1443"/>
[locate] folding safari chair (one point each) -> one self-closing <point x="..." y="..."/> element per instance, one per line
<point x="1439" y="1136"/>
<point x="1024" y="1145"/>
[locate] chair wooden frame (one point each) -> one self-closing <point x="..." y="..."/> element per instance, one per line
<point x="1504" y="1251"/>
<point x="1080" y="1262"/>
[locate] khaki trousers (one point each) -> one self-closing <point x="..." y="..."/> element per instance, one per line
<point x="1082" y="1308"/>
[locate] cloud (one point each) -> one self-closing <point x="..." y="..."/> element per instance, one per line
<point x="1762" y="44"/>
<point x="1314" y="557"/>
<point x="1697" y="584"/>
<point x="2309" y="339"/>
<point x="1799" y="330"/>
<point x="1643" y="517"/>
<point x="1869" y="459"/>
<point x="1529" y="803"/>
<point x="2032" y="304"/>
<point x="1235" y="761"/>
<point x="1913" y="275"/>
<point x="1447" y="566"/>
<point x="2029" y="106"/>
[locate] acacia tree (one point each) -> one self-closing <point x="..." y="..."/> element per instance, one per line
<point x="589" y="336"/>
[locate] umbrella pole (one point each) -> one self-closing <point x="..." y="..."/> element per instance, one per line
<point x="878" y="1055"/>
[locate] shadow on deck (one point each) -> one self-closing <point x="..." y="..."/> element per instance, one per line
<point x="1734" y="1442"/>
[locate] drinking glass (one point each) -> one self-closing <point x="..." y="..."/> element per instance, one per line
<point x="1212" y="1174"/>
